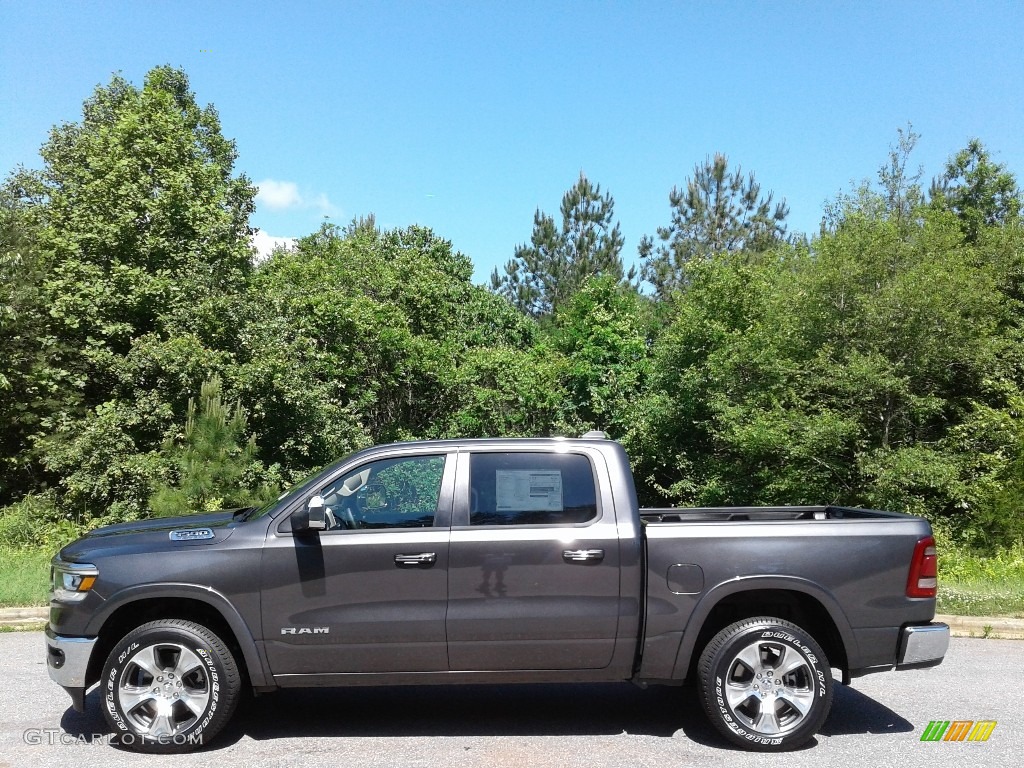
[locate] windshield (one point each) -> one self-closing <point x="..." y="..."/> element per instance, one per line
<point x="306" y="484"/>
<point x="272" y="504"/>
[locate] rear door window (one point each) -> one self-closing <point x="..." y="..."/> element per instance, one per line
<point x="531" y="489"/>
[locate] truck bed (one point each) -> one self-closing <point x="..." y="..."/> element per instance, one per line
<point x="777" y="559"/>
<point x="759" y="514"/>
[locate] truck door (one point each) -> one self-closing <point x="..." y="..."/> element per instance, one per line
<point x="369" y="593"/>
<point x="533" y="577"/>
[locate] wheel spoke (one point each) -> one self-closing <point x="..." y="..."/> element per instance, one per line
<point x="790" y="662"/>
<point x="146" y="661"/>
<point x="750" y="657"/>
<point x="187" y="662"/>
<point x="737" y="694"/>
<point x="162" y="725"/>
<point x="195" y="701"/>
<point x="131" y="696"/>
<point x="767" y="722"/>
<point x="801" y="701"/>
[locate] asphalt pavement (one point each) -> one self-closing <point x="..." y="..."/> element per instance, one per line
<point x="877" y="722"/>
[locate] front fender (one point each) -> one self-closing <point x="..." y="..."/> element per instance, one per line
<point x="255" y="664"/>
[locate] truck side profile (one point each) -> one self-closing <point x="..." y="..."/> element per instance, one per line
<point x="483" y="561"/>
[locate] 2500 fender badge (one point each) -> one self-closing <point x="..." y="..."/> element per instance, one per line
<point x="305" y="630"/>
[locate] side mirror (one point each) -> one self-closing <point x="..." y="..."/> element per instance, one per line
<point x="312" y="518"/>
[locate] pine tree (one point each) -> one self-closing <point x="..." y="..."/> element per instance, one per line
<point x="979" y="191"/>
<point x="214" y="465"/>
<point x="719" y="211"/>
<point x="545" y="274"/>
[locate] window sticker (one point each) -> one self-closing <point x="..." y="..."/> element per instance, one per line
<point x="526" y="490"/>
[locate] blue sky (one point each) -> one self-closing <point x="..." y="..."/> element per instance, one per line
<point x="467" y="116"/>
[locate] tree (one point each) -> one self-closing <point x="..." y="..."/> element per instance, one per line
<point x="503" y="391"/>
<point x="359" y="336"/>
<point x="1002" y="521"/>
<point x="603" y="333"/>
<point x="142" y="217"/>
<point x="897" y="198"/>
<point x="906" y="320"/>
<point x="143" y="240"/>
<point x="545" y="274"/>
<point x="719" y="211"/>
<point x="979" y="191"/>
<point x="213" y="465"/>
<point x="901" y="190"/>
<point x="877" y="365"/>
<point x="725" y="418"/>
<point x="23" y="394"/>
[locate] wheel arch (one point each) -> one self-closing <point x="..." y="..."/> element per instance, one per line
<point x="138" y="605"/>
<point x="796" y="600"/>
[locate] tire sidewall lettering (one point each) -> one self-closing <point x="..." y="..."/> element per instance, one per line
<point x="720" y="667"/>
<point x="127" y="735"/>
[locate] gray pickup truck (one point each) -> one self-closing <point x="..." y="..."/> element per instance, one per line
<point x="489" y="561"/>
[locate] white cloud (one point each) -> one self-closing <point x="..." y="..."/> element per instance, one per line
<point x="325" y="206"/>
<point x="264" y="244"/>
<point x="278" y="195"/>
<point x="285" y="195"/>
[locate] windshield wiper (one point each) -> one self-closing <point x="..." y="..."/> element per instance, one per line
<point x="243" y="514"/>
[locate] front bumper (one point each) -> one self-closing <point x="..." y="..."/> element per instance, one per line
<point x="922" y="645"/>
<point x="67" y="661"/>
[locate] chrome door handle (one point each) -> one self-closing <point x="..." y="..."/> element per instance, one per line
<point x="422" y="560"/>
<point x="583" y="555"/>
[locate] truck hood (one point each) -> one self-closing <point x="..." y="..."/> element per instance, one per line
<point x="141" y="536"/>
<point x="201" y="520"/>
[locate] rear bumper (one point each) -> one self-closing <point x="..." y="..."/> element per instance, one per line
<point x="922" y="645"/>
<point x="67" y="661"/>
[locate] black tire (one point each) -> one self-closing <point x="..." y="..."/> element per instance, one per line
<point x="765" y="684"/>
<point x="169" y="686"/>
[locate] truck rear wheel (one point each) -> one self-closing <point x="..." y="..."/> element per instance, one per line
<point x="169" y="686"/>
<point x="765" y="684"/>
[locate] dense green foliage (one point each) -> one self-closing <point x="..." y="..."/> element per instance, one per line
<point x="213" y="466"/>
<point x="134" y="236"/>
<point x="148" y="365"/>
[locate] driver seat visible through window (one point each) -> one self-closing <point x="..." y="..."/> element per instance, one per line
<point x="391" y="493"/>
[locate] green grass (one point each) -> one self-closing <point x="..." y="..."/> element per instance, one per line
<point x="961" y="565"/>
<point x="981" y="599"/>
<point x="971" y="584"/>
<point x="24" y="577"/>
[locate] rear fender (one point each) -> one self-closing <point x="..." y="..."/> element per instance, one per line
<point x="713" y="597"/>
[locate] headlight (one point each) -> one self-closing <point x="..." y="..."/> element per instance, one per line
<point x="70" y="582"/>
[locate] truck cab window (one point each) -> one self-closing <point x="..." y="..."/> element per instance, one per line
<point x="392" y="493"/>
<point x="531" y="489"/>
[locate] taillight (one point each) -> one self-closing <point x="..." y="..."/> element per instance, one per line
<point x="923" y="580"/>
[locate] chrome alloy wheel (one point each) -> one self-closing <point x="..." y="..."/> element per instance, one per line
<point x="770" y="687"/>
<point x="164" y="689"/>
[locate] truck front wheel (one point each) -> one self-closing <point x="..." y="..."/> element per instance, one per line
<point x="169" y="686"/>
<point x="765" y="684"/>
